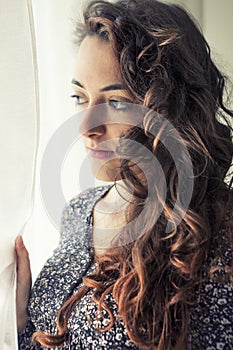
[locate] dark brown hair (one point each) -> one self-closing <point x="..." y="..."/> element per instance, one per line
<point x="167" y="67"/>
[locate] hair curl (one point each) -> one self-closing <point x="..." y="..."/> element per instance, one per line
<point x="167" y="67"/>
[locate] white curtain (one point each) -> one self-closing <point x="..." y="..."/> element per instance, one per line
<point x="35" y="75"/>
<point x="36" y="66"/>
<point x="19" y="140"/>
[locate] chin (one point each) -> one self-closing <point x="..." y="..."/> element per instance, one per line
<point x="106" y="172"/>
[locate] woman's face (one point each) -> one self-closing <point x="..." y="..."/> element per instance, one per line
<point x="102" y="100"/>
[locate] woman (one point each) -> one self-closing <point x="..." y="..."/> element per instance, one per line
<point x="156" y="274"/>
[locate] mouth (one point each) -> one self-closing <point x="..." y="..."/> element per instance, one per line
<point x="100" y="153"/>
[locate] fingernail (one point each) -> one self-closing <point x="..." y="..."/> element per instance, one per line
<point x="20" y="241"/>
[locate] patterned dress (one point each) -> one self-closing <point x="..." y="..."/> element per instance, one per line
<point x="211" y="320"/>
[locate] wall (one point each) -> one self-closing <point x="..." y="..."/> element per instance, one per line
<point x="218" y="29"/>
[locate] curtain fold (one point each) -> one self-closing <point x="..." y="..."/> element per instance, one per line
<point x="19" y="135"/>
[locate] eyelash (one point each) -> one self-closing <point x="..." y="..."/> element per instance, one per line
<point x="112" y="103"/>
<point x="77" y="97"/>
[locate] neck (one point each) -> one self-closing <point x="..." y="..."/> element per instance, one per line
<point x="117" y="199"/>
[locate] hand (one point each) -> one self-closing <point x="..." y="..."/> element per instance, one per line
<point x="23" y="283"/>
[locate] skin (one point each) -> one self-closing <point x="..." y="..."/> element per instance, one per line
<point x="103" y="86"/>
<point x="23" y="283"/>
<point x="101" y="126"/>
<point x="105" y="112"/>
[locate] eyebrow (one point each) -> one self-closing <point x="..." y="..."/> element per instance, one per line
<point x="106" y="88"/>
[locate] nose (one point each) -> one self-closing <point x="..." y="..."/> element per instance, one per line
<point x="95" y="132"/>
<point x="93" y="122"/>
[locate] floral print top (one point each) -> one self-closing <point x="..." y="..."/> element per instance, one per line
<point x="211" y="320"/>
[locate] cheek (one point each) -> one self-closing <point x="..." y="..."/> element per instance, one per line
<point x="118" y="129"/>
<point x="106" y="171"/>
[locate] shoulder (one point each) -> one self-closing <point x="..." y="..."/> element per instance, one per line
<point x="77" y="212"/>
<point x="84" y="200"/>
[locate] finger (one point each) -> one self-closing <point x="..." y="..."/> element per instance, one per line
<point x="23" y="263"/>
<point x="19" y="245"/>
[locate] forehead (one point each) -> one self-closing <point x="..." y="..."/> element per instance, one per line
<point x="96" y="63"/>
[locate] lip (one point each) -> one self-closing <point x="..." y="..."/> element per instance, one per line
<point x="100" y="153"/>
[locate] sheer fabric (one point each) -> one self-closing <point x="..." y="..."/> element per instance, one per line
<point x="19" y="138"/>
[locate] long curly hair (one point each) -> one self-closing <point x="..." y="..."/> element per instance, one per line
<point x="167" y="68"/>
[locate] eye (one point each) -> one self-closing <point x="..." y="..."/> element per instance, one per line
<point x="119" y="105"/>
<point x="79" y="100"/>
